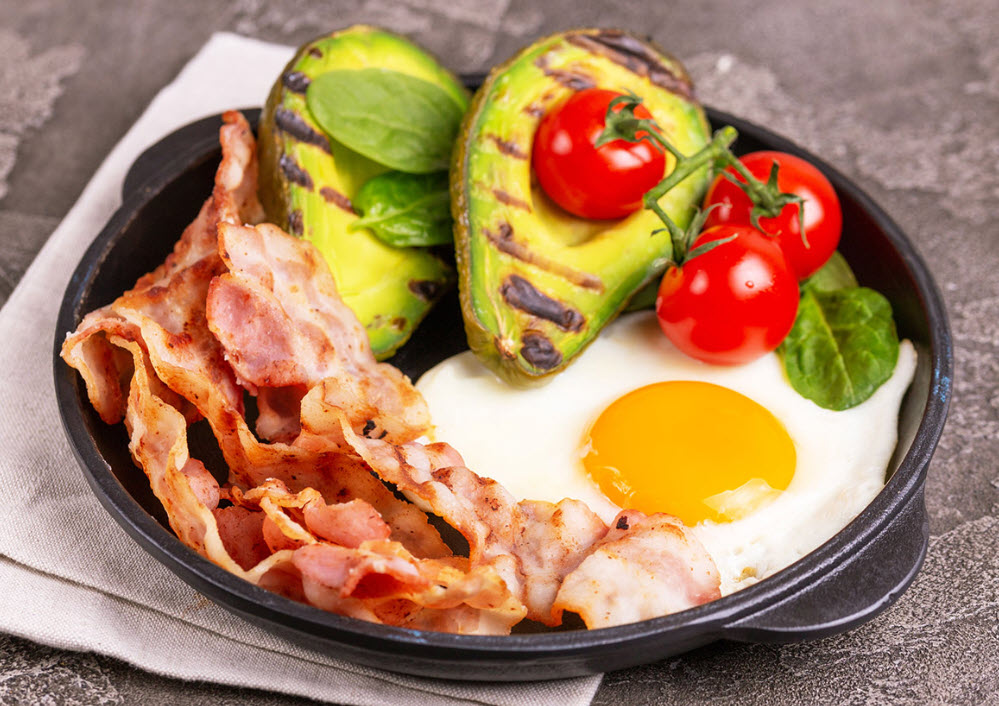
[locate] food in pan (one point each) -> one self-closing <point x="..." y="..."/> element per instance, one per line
<point x="647" y="477"/>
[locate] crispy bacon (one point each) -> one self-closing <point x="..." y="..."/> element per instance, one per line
<point x="239" y="307"/>
<point x="171" y="298"/>
<point x="281" y="322"/>
<point x="652" y="568"/>
<point x="532" y="544"/>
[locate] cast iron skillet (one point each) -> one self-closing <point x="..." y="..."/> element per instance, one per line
<point x="848" y="580"/>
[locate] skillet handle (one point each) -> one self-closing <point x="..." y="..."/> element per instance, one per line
<point x="861" y="588"/>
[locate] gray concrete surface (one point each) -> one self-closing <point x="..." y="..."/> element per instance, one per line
<point x="902" y="95"/>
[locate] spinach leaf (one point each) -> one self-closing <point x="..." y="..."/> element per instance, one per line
<point x="835" y="274"/>
<point x="397" y="120"/>
<point x="406" y="209"/>
<point x="842" y="347"/>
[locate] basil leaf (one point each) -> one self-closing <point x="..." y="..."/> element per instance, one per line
<point x="835" y="274"/>
<point x="842" y="347"/>
<point x="406" y="210"/>
<point x="397" y="120"/>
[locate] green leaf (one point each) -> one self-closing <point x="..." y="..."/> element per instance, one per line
<point x="406" y="210"/>
<point x="397" y="120"/>
<point x="835" y="274"/>
<point x="842" y="347"/>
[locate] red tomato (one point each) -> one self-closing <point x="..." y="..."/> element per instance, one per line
<point x="732" y="304"/>
<point x="823" y="218"/>
<point x="593" y="182"/>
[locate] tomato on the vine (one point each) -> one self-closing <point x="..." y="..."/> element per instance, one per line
<point x="731" y="304"/>
<point x="823" y="217"/>
<point x="588" y="181"/>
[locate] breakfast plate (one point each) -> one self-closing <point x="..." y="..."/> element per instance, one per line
<point x="846" y="581"/>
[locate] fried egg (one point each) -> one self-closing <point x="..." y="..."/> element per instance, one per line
<point x="761" y="474"/>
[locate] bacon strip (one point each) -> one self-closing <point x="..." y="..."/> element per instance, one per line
<point x="651" y="568"/>
<point x="281" y="323"/>
<point x="172" y="296"/>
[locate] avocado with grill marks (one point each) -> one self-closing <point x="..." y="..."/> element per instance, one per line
<point x="536" y="283"/>
<point x="308" y="181"/>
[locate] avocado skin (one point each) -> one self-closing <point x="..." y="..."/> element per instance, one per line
<point x="307" y="182"/>
<point x="511" y="239"/>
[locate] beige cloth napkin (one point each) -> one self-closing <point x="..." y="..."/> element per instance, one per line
<point x="69" y="576"/>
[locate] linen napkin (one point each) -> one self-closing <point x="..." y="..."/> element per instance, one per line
<point x="69" y="576"/>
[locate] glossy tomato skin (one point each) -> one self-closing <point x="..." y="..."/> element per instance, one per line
<point x="823" y="216"/>
<point x="732" y="304"/>
<point x="587" y="181"/>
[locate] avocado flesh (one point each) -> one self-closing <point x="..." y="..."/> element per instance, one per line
<point x="511" y="239"/>
<point x="307" y="182"/>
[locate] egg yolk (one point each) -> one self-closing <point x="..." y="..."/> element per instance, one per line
<point x="691" y="449"/>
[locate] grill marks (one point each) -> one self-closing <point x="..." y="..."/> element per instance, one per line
<point x="502" y="239"/>
<point x="294" y="173"/>
<point x="534" y="110"/>
<point x="521" y="294"/>
<point x="510" y="200"/>
<point x="297" y="128"/>
<point x="539" y="351"/>
<point x="333" y="196"/>
<point x="426" y="289"/>
<point x="511" y="149"/>
<point x="292" y="124"/>
<point x="296" y="82"/>
<point x="634" y="55"/>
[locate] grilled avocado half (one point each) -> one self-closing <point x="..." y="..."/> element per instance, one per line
<point x="537" y="284"/>
<point x="308" y="179"/>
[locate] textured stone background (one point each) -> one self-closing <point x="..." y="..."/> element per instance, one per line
<point x="902" y="95"/>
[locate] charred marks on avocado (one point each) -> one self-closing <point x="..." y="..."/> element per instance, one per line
<point x="636" y="56"/>
<point x="333" y="196"/>
<point x="510" y="200"/>
<point x="521" y="294"/>
<point x="296" y="225"/>
<point x="574" y="80"/>
<point x="294" y="173"/>
<point x="291" y="123"/>
<point x="502" y="239"/>
<point x="425" y="289"/>
<point x="510" y="149"/>
<point x="316" y="52"/>
<point x="296" y="81"/>
<point x="534" y="110"/>
<point x="539" y="351"/>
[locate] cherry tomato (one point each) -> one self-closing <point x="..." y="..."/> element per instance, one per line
<point x="593" y="182"/>
<point x="732" y="304"/>
<point x="823" y="218"/>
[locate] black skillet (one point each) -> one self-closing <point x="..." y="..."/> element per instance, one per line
<point x="848" y="580"/>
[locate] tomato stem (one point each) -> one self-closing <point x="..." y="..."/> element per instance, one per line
<point x="768" y="200"/>
<point x="685" y="166"/>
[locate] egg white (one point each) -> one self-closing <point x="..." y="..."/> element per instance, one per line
<point x="531" y="440"/>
